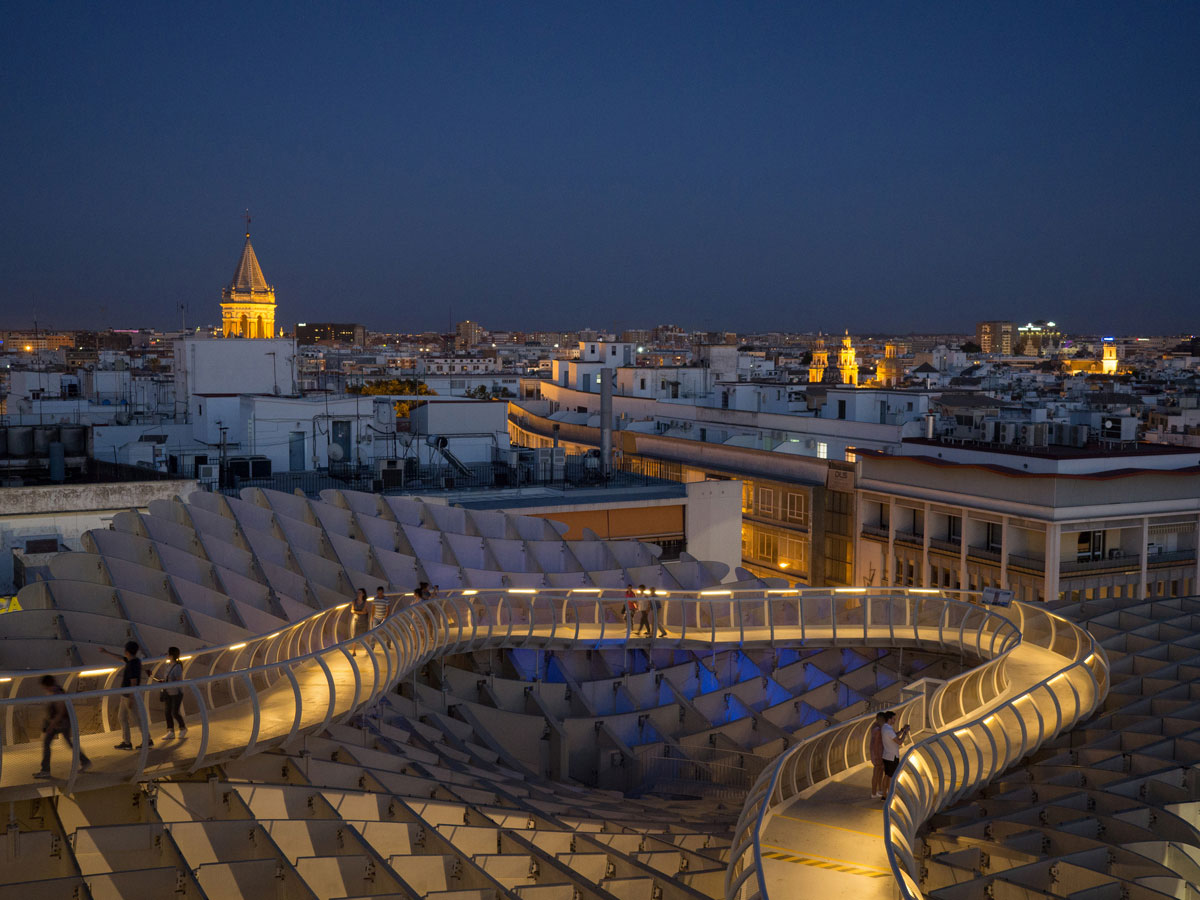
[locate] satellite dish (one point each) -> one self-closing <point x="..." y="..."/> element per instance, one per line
<point x="336" y="453"/>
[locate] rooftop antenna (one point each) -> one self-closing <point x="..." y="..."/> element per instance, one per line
<point x="182" y="316"/>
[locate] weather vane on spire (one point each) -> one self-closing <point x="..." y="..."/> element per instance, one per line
<point x="246" y="216"/>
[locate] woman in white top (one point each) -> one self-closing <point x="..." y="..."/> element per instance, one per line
<point x="892" y="740"/>
<point x="172" y="697"/>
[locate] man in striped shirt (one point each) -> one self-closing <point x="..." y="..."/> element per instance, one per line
<point x="380" y="607"/>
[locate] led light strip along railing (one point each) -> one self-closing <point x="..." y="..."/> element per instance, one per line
<point x="264" y="692"/>
<point x="951" y="763"/>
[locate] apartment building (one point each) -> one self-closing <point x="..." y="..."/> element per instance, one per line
<point x="797" y="510"/>
<point x="1067" y="523"/>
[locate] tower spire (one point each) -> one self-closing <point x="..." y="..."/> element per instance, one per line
<point x="248" y="303"/>
<point x="246" y="216"/>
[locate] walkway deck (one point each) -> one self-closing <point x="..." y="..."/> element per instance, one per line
<point x="230" y="726"/>
<point x="830" y="844"/>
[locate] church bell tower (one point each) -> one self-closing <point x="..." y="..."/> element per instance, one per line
<point x="248" y="303"/>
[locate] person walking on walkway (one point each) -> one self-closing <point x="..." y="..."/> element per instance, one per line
<point x="172" y="697"/>
<point x="875" y="749"/>
<point x="630" y="606"/>
<point x="380" y="606"/>
<point x="892" y="740"/>
<point x="644" y="606"/>
<point x="359" y="616"/>
<point x="656" y="608"/>
<point x="130" y="677"/>
<point x="57" y="722"/>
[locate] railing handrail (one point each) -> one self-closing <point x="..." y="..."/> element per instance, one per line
<point x="474" y="620"/>
<point x="1085" y="652"/>
<point x="941" y="795"/>
<point x="758" y="805"/>
<point x="713" y="595"/>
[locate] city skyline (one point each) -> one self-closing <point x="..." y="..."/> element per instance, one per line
<point x="759" y="169"/>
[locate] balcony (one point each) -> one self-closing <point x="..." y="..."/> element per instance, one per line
<point x="984" y="553"/>
<point x="875" y="531"/>
<point x="1125" y="561"/>
<point x="954" y="547"/>
<point x="1170" y="558"/>
<point x="1032" y="563"/>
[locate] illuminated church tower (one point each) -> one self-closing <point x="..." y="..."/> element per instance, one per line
<point x="847" y="362"/>
<point x="1108" y="364"/>
<point x="820" y="362"/>
<point x="248" y="304"/>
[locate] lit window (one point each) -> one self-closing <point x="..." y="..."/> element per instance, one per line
<point x="822" y="450"/>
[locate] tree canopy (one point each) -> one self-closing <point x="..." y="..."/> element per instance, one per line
<point x="393" y="387"/>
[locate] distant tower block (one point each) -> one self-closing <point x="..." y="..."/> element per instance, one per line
<point x="248" y="304"/>
<point x="820" y="362"/>
<point x="1108" y="363"/>
<point x="847" y="362"/>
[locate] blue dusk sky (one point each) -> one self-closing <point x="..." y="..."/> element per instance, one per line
<point x="738" y="166"/>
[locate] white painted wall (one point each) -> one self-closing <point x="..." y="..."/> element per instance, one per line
<point x="233" y="366"/>
<point x="713" y="522"/>
<point x="66" y="511"/>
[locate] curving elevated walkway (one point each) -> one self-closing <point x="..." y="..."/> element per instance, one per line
<point x="252" y="696"/>
<point x="809" y="827"/>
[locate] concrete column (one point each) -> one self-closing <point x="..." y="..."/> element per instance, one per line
<point x="962" y="550"/>
<point x="925" y="549"/>
<point x="889" y="563"/>
<point x="1196" y="576"/>
<point x="606" y="416"/>
<point x="855" y="575"/>
<point x="1004" y="552"/>
<point x="1053" y="552"/>
<point x="1144" y="558"/>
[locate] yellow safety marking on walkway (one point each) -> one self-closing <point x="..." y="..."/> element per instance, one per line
<point x="871" y="834"/>
<point x="836" y="865"/>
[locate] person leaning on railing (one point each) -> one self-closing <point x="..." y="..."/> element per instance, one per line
<point x="878" y="778"/>
<point x="892" y="740"/>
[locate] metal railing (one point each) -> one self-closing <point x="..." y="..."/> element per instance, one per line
<point x="1119" y="561"/>
<point x="942" y="768"/>
<point x="265" y="692"/>
<point x="835" y="750"/>
<point x="724" y="776"/>
<point x="577" y="471"/>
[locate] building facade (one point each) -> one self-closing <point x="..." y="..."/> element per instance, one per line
<point x="1072" y="526"/>
<point x="995" y="337"/>
<point x="310" y="333"/>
